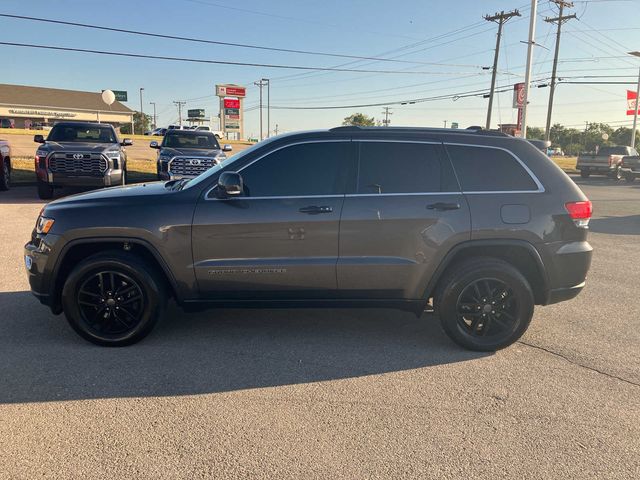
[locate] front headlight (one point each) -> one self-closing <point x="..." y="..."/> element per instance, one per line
<point x="164" y="158"/>
<point x="41" y="153"/>
<point x="44" y="224"/>
<point x="113" y="154"/>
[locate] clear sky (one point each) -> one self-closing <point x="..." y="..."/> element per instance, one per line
<point x="448" y="41"/>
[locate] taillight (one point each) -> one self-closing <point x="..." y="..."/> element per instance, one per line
<point x="580" y="212"/>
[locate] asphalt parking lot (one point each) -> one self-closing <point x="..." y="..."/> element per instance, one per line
<point x="328" y="393"/>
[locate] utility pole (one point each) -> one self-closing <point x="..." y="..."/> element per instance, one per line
<point x="635" y="113"/>
<point x="527" y="76"/>
<point x="445" y="123"/>
<point x="268" y="83"/>
<point x="179" y="104"/>
<point x="142" y="122"/>
<point x="276" y="129"/>
<point x="500" y="18"/>
<point x="260" y="84"/>
<point x="155" y="121"/>
<point x="386" y="114"/>
<point x="560" y="19"/>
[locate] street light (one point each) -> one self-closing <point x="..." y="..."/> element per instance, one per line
<point x="635" y="110"/>
<point x="142" y="122"/>
<point x="155" y="122"/>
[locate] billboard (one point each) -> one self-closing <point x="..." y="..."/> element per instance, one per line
<point x="196" y="113"/>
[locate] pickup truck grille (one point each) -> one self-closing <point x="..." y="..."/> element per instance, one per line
<point x="90" y="165"/>
<point x="190" y="166"/>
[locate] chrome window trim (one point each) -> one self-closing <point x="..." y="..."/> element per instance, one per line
<point x="526" y="168"/>
<point x="302" y="142"/>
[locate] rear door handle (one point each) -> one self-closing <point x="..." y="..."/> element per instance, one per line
<point x="444" y="206"/>
<point x="315" y="210"/>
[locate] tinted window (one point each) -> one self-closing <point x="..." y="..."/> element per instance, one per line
<point x="185" y="139"/>
<point x="403" y="168"/>
<point x="299" y="170"/>
<point x="613" y="151"/>
<point x="489" y="169"/>
<point x="81" y="133"/>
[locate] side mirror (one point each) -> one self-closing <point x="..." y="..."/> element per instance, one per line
<point x="230" y="184"/>
<point x="127" y="142"/>
<point x="227" y="148"/>
<point x="154" y="144"/>
<point x="38" y="138"/>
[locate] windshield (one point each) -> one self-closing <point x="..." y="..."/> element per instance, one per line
<point x="204" y="176"/>
<point x="613" y="151"/>
<point x="183" y="139"/>
<point x="82" y="133"/>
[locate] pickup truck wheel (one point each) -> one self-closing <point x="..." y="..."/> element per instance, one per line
<point x="45" y="191"/>
<point x="484" y="304"/>
<point x="616" y="174"/>
<point x="630" y="177"/>
<point x="5" y="176"/>
<point x="585" y="173"/>
<point x="113" y="299"/>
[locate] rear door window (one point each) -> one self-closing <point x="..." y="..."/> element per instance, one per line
<point x="397" y="167"/>
<point x="486" y="169"/>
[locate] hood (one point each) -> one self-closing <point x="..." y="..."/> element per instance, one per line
<point x="196" y="152"/>
<point x="80" y="146"/>
<point x="133" y="193"/>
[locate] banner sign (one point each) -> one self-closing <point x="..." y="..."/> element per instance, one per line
<point x="632" y="101"/>
<point x="230" y="91"/>
<point x="518" y="95"/>
<point x="231" y="103"/>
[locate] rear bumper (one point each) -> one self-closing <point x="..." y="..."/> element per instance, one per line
<point x="596" y="168"/>
<point x="567" y="268"/>
<point x="561" y="294"/>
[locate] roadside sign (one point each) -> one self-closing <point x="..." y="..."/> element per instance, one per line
<point x="231" y="91"/>
<point x="518" y="95"/>
<point x="454" y="124"/>
<point x="232" y="111"/>
<point x="196" y="113"/>
<point x="632" y="103"/>
<point x="121" y="95"/>
<point x="231" y="103"/>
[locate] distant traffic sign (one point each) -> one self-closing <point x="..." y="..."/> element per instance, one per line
<point x="121" y="95"/>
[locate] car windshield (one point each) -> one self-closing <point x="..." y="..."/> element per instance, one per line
<point x="613" y="151"/>
<point x="204" y="176"/>
<point x="186" y="139"/>
<point x="82" y="133"/>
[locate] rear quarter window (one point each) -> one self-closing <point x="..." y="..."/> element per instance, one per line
<point x="486" y="169"/>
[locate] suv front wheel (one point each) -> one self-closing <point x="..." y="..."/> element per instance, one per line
<point x="484" y="304"/>
<point x="113" y="299"/>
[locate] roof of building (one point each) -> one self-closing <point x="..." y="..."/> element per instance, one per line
<point x="21" y="95"/>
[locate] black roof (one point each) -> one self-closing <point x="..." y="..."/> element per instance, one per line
<point x="470" y="130"/>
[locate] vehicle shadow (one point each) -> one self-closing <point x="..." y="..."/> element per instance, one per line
<point x="215" y="351"/>
<point x="627" y="225"/>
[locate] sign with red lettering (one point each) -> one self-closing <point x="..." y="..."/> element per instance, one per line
<point x="632" y="103"/>
<point x="231" y="91"/>
<point x="518" y="95"/>
<point x="231" y="103"/>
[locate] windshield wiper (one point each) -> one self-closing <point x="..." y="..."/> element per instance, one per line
<point x="176" y="184"/>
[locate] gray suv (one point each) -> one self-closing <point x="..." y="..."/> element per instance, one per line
<point x="475" y="224"/>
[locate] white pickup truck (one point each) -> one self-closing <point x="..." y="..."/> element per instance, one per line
<point x="607" y="161"/>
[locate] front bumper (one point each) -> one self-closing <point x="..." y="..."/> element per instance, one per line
<point x="39" y="264"/>
<point x="110" y="178"/>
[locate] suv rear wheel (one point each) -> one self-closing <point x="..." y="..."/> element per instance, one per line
<point x="484" y="304"/>
<point x="5" y="176"/>
<point x="45" y="191"/>
<point x="113" y="299"/>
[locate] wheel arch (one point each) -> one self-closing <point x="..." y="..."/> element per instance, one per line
<point x="519" y="253"/>
<point x="78" y="249"/>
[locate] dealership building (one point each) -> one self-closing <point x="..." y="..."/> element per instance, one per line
<point x="33" y="107"/>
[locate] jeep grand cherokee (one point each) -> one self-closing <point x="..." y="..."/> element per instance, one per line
<point x="477" y="224"/>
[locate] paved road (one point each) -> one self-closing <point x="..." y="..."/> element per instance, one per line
<point x="328" y="394"/>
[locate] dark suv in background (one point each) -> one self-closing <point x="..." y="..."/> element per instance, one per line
<point x="80" y="154"/>
<point x="187" y="153"/>
<point x="479" y="225"/>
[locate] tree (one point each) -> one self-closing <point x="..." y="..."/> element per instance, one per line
<point x="359" y="119"/>
<point x="140" y="124"/>
<point x="535" y="133"/>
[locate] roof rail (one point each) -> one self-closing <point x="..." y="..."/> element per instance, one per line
<point x="473" y="129"/>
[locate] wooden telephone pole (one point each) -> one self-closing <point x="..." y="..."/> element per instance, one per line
<point x="560" y="19"/>
<point x="500" y="18"/>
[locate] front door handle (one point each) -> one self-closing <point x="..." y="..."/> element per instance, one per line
<point x="444" y="206"/>
<point x="315" y="210"/>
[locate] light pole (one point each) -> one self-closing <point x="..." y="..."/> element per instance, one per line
<point x="268" y="82"/>
<point x="635" y="110"/>
<point x="155" y="122"/>
<point x="141" y="112"/>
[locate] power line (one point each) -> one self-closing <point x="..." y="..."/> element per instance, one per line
<point x="217" y="42"/>
<point x="218" y="62"/>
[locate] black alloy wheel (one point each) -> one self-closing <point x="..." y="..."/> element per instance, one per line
<point x="487" y="308"/>
<point x="5" y="176"/>
<point x="110" y="303"/>
<point x="114" y="298"/>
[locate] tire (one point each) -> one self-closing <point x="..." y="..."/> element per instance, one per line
<point x="45" y="191"/>
<point x="616" y="174"/>
<point x="585" y="173"/>
<point x="483" y="325"/>
<point x="5" y="176"/>
<point x="113" y="299"/>
<point x="630" y="177"/>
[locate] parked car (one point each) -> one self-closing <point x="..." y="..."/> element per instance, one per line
<point x="80" y="154"/>
<point x="478" y="224"/>
<point x="178" y="127"/>
<point x="630" y="167"/>
<point x="187" y="153"/>
<point x="156" y="132"/>
<point x="5" y="165"/>
<point x="607" y="161"/>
